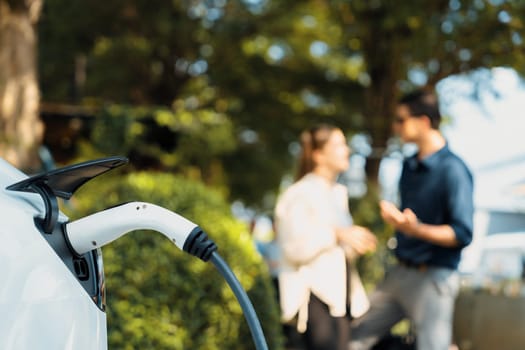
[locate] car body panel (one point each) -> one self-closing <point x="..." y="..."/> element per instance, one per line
<point x="43" y="305"/>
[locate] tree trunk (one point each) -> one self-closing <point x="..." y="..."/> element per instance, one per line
<point x="380" y="100"/>
<point x="381" y="95"/>
<point x="21" y="130"/>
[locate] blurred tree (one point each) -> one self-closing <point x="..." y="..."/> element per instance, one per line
<point x="20" y="128"/>
<point x="415" y="44"/>
<point x="270" y="67"/>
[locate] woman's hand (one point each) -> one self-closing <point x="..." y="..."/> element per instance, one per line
<point x="361" y="239"/>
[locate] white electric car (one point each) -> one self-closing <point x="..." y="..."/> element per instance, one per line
<point x="52" y="277"/>
<point x="50" y="297"/>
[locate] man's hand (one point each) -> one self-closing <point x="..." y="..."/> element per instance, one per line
<point x="405" y="221"/>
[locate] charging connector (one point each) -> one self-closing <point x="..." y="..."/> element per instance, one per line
<point x="99" y="229"/>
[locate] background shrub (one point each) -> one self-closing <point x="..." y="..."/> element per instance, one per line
<point x="159" y="297"/>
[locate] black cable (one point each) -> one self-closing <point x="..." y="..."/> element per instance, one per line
<point x="198" y="244"/>
<point x="244" y="301"/>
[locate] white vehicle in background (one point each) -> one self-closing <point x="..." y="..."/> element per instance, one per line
<point x="501" y="261"/>
<point x="490" y="308"/>
<point x="52" y="294"/>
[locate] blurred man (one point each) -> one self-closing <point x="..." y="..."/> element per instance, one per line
<point x="432" y="226"/>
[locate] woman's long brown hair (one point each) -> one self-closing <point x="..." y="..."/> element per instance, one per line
<point x="312" y="139"/>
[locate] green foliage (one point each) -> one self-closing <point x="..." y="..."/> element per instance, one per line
<point x="162" y="298"/>
<point x="271" y="68"/>
<point x="365" y="212"/>
<point x="176" y="140"/>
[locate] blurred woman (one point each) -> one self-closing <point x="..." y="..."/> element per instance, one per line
<point x="314" y="229"/>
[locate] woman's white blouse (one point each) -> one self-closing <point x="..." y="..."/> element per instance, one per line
<point x="306" y="216"/>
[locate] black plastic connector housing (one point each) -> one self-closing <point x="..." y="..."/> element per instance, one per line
<point x="198" y="244"/>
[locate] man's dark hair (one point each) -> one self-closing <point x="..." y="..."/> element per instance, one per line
<point x="421" y="103"/>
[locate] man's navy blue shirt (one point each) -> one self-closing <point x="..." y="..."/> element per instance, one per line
<point x="439" y="189"/>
